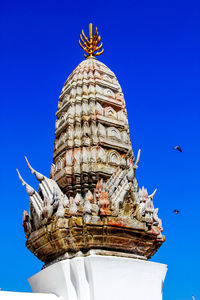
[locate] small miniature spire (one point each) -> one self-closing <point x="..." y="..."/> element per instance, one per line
<point x="91" y="45"/>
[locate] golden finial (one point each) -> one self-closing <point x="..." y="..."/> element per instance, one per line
<point x="91" y="45"/>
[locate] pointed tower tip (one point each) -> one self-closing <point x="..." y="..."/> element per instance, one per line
<point x="38" y="175"/>
<point x="30" y="191"/>
<point x="153" y="194"/>
<point x="92" y="44"/>
<point x="29" y="166"/>
<point x="20" y="177"/>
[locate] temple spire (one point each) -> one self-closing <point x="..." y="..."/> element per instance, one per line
<point x="92" y="199"/>
<point x="91" y="45"/>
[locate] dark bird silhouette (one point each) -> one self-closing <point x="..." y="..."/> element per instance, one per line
<point x="178" y="148"/>
<point x="176" y="211"/>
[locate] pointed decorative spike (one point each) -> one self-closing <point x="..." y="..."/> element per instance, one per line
<point x="90" y="31"/>
<point x="99" y="39"/>
<point x="61" y="210"/>
<point x="29" y="166"/>
<point x="95" y="34"/>
<point x="30" y="191"/>
<point x="78" y="199"/>
<point x="99" y="53"/>
<point x="20" y="178"/>
<point x="84" y="48"/>
<point x="89" y="196"/>
<point x="87" y="206"/>
<point x="38" y="175"/>
<point x="91" y="43"/>
<point x="99" y="47"/>
<point x="65" y="201"/>
<point x="72" y="206"/>
<point x="153" y="194"/>
<point x="138" y="158"/>
<point x="84" y="43"/>
<point x="83" y="34"/>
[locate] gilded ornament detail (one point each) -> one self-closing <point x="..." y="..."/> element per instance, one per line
<point x="92" y="45"/>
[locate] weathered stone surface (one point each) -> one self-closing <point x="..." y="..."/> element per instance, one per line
<point x="92" y="199"/>
<point x="91" y="128"/>
<point x="90" y="232"/>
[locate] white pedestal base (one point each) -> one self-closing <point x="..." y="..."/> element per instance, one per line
<point x="4" y="295"/>
<point x="97" y="277"/>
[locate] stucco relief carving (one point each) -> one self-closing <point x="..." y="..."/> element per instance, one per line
<point x="115" y="200"/>
<point x="110" y="112"/>
<point x="92" y="199"/>
<point x="113" y="133"/>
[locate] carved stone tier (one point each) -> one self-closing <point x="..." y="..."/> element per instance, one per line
<point x="92" y="199"/>
<point x="91" y="129"/>
<point x="116" y="216"/>
<point x="82" y="233"/>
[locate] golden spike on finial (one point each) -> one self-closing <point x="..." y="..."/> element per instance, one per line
<point x="91" y="46"/>
<point x="90" y="31"/>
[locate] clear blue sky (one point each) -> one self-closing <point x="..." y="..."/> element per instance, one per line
<point x="154" y="49"/>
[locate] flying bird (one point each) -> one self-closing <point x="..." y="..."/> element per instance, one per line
<point x="178" y="148"/>
<point x="176" y="211"/>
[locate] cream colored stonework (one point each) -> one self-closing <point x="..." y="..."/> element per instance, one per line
<point x="92" y="135"/>
<point x="92" y="199"/>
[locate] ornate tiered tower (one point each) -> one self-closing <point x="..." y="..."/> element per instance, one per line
<point x="92" y="136"/>
<point x="92" y="199"/>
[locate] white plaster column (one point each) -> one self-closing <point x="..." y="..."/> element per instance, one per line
<point x="98" y="277"/>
